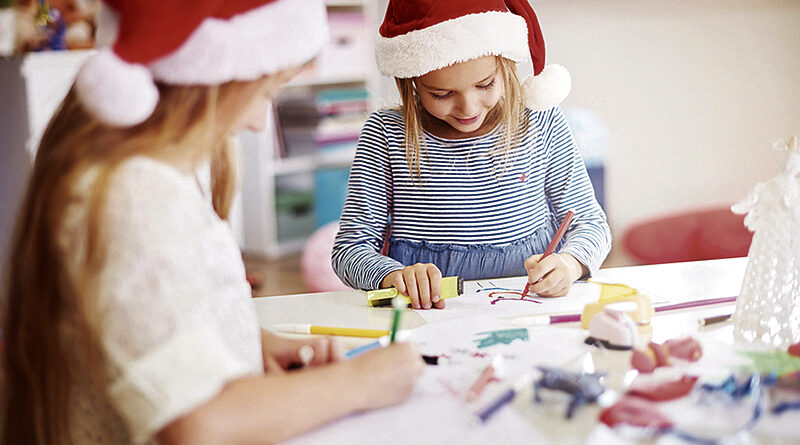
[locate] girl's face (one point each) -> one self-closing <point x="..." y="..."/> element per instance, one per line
<point x="462" y="94"/>
<point x="255" y="118"/>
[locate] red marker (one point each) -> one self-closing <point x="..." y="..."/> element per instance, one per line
<point x="489" y="373"/>
<point x="552" y="246"/>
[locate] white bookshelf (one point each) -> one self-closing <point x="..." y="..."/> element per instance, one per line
<point x="261" y="167"/>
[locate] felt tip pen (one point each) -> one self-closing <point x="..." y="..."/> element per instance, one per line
<point x="299" y="328"/>
<point x="383" y="342"/>
<point x="398" y="305"/>
<point x="505" y="398"/>
<point x="451" y="287"/>
<point x="539" y="320"/>
<point x="489" y="373"/>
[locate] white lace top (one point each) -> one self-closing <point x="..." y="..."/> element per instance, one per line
<point x="176" y="317"/>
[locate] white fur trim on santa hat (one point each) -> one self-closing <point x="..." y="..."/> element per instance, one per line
<point x="457" y="40"/>
<point x="116" y="92"/>
<point x="264" y="40"/>
<point x="547" y="89"/>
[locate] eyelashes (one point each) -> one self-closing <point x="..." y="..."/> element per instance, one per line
<point x="487" y="86"/>
<point x="480" y="87"/>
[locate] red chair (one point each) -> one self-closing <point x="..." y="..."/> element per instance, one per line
<point x="688" y="236"/>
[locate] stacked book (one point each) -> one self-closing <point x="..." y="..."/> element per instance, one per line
<point x="322" y="121"/>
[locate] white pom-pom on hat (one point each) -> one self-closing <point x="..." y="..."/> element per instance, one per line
<point x="547" y="89"/>
<point x="118" y="93"/>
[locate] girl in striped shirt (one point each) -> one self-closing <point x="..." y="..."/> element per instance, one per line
<point x="473" y="173"/>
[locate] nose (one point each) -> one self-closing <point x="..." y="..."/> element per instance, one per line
<point x="468" y="105"/>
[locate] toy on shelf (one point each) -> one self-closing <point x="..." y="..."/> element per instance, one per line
<point x="768" y="306"/>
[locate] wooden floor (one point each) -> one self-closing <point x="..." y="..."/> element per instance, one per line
<point x="283" y="276"/>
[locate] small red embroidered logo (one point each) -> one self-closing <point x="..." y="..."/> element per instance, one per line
<point x="522" y="177"/>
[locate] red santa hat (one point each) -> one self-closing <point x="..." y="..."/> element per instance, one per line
<point x="420" y="36"/>
<point x="184" y="42"/>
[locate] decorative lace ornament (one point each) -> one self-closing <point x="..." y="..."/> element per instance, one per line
<point x="768" y="306"/>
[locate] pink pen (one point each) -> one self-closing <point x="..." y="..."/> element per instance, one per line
<point x="487" y="375"/>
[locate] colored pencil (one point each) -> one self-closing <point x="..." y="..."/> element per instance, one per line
<point x="694" y="303"/>
<point x="553" y="243"/>
<point x="299" y="328"/>
<point x="571" y="318"/>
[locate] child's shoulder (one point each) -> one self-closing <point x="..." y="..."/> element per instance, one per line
<point x="387" y="118"/>
<point x="144" y="174"/>
<point x="142" y="184"/>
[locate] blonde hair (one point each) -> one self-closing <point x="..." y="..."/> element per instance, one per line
<point x="43" y="303"/>
<point x="509" y="107"/>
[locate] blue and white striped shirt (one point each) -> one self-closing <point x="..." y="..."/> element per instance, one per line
<point x="467" y="196"/>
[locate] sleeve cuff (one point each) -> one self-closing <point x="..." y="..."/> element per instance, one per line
<point x="172" y="379"/>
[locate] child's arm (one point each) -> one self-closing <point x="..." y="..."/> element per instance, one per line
<point x="356" y="255"/>
<point x="568" y="187"/>
<point x="271" y="408"/>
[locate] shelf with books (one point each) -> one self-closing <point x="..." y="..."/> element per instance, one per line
<point x="294" y="177"/>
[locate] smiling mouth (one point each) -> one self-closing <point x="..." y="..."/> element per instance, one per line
<point x="466" y="121"/>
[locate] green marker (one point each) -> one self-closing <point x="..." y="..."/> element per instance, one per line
<point x="398" y="306"/>
<point x="451" y="287"/>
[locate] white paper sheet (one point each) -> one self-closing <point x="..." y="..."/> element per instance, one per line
<point x="502" y="298"/>
<point x="437" y="411"/>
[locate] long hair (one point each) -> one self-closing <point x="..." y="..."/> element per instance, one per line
<point x="509" y="108"/>
<point x="43" y="302"/>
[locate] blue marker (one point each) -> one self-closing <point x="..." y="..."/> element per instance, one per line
<point x="505" y="398"/>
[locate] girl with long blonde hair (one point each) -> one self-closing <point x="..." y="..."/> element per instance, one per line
<point x="128" y="317"/>
<point x="474" y="172"/>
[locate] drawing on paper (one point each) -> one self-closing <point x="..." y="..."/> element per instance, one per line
<point x="505" y="294"/>
<point x="505" y="336"/>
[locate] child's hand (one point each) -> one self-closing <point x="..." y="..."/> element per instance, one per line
<point x="552" y="276"/>
<point x="421" y="282"/>
<point x="281" y="353"/>
<point x="387" y="375"/>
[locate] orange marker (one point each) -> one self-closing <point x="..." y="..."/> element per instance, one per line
<point x="552" y="246"/>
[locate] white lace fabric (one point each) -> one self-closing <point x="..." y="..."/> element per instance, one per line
<point x="175" y="313"/>
<point x="768" y="306"/>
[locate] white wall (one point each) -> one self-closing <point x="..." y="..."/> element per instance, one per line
<point x="693" y="92"/>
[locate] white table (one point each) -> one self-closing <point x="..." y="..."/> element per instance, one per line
<point x="674" y="282"/>
<point x="526" y="422"/>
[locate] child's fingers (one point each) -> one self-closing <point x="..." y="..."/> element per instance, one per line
<point x="424" y="285"/>
<point x="435" y="277"/>
<point x="531" y="262"/>
<point x="539" y="271"/>
<point x="411" y="286"/>
<point x="321" y="349"/>
<point x="336" y="350"/>
<point x="399" y="283"/>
